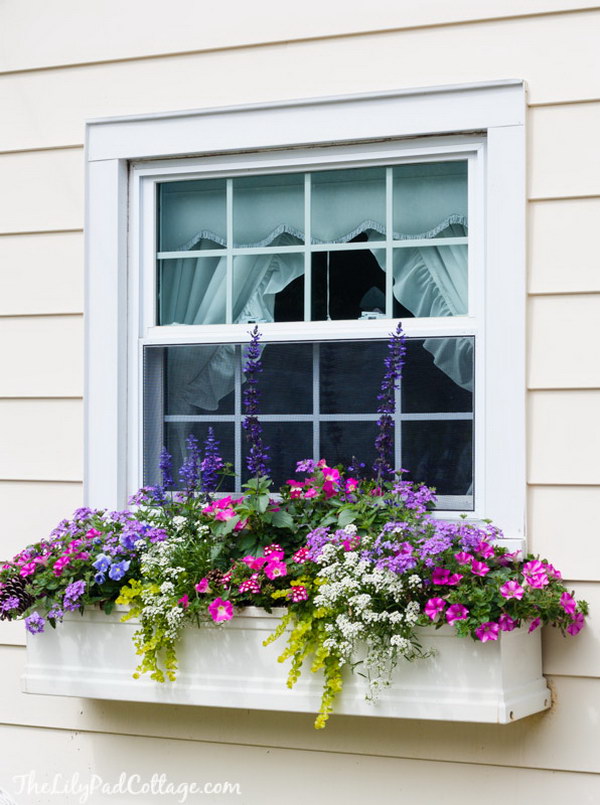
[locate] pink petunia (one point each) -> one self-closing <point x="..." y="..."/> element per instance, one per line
<point x="453" y="579"/>
<point x="29" y="568"/>
<point x="225" y="514"/>
<point x="506" y="623"/>
<point x="568" y="603"/>
<point x="93" y="532"/>
<point x="456" y="612"/>
<point x="487" y="631"/>
<point x="534" y="625"/>
<point x="311" y="493"/>
<point x="351" y="485"/>
<point x="275" y="569"/>
<point x="434" y="606"/>
<point x="576" y="624"/>
<point x="463" y="558"/>
<point x="485" y="549"/>
<point x="440" y="575"/>
<point x="512" y="589"/>
<point x="479" y="568"/>
<point x="202" y="586"/>
<point x="184" y="601"/>
<point x="220" y="610"/>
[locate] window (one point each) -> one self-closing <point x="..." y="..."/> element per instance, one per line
<point x="322" y="237"/>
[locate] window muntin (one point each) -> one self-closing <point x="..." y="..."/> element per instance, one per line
<point x="318" y="399"/>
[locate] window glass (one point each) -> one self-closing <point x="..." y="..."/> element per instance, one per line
<point x="192" y="215"/>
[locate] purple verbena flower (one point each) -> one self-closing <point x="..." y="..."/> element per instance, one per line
<point x="34" y="623"/>
<point x="73" y="592"/>
<point x="10" y="603"/>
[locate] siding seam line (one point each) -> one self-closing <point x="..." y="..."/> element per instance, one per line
<point x="306" y="39"/>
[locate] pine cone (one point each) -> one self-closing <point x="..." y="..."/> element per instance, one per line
<point x="215" y="578"/>
<point x="15" y="588"/>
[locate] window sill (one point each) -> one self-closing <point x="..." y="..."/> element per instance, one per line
<point x="92" y="656"/>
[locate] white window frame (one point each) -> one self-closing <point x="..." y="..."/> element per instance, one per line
<point x="126" y="157"/>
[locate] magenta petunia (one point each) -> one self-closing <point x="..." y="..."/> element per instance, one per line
<point x="479" y="568"/>
<point x="568" y="603"/>
<point x="487" y="631"/>
<point x="202" y="586"/>
<point x="512" y="589"/>
<point x="506" y="623"/>
<point x="434" y="606"/>
<point x="440" y="575"/>
<point x="576" y="624"/>
<point x="275" y="569"/>
<point x="485" y="549"/>
<point x="456" y="612"/>
<point x="463" y="558"/>
<point x="534" y="625"/>
<point x="220" y="610"/>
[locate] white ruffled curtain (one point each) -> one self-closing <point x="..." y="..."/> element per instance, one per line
<point x="428" y="281"/>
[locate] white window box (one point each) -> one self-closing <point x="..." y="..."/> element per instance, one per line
<point x="92" y="656"/>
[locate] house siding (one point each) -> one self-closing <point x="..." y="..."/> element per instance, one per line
<point x="113" y="59"/>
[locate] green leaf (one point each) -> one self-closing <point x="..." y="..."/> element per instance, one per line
<point x="262" y="503"/>
<point x="108" y="607"/>
<point x="345" y="517"/>
<point x="282" y="519"/>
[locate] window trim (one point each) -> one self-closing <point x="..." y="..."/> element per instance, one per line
<point x="492" y="111"/>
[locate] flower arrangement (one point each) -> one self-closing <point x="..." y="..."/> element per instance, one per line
<point x="357" y="562"/>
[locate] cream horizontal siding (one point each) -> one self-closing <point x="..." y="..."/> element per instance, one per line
<point x="564" y="438"/>
<point x="41" y="274"/>
<point x="563" y="527"/>
<point x="100" y="30"/>
<point x="563" y="152"/>
<point x="30" y="510"/>
<point x="564" y="342"/>
<point x="335" y="776"/>
<point x="563" y="248"/>
<point x="46" y="191"/>
<point x="45" y="356"/>
<point x="41" y="440"/>
<point x="530" y="48"/>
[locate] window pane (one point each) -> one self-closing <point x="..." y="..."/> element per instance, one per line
<point x="288" y="442"/>
<point x="440" y="454"/>
<point x="348" y="284"/>
<point x="429" y="195"/>
<point x="268" y="210"/>
<point x="191" y="215"/>
<point x="285" y="383"/>
<point x="438" y="375"/>
<point x="346" y="203"/>
<point x="268" y="287"/>
<point x="350" y="376"/>
<point x="342" y="442"/>
<point x="192" y="290"/>
<point x="432" y="280"/>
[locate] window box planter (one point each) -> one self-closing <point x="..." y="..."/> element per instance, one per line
<point x="92" y="656"/>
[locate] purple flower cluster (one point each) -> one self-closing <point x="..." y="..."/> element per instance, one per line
<point x="73" y="593"/>
<point x="388" y="553"/>
<point x="316" y="540"/>
<point x="211" y="463"/>
<point x="34" y="623"/>
<point x="165" y="465"/>
<point x="417" y="499"/>
<point x="257" y="460"/>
